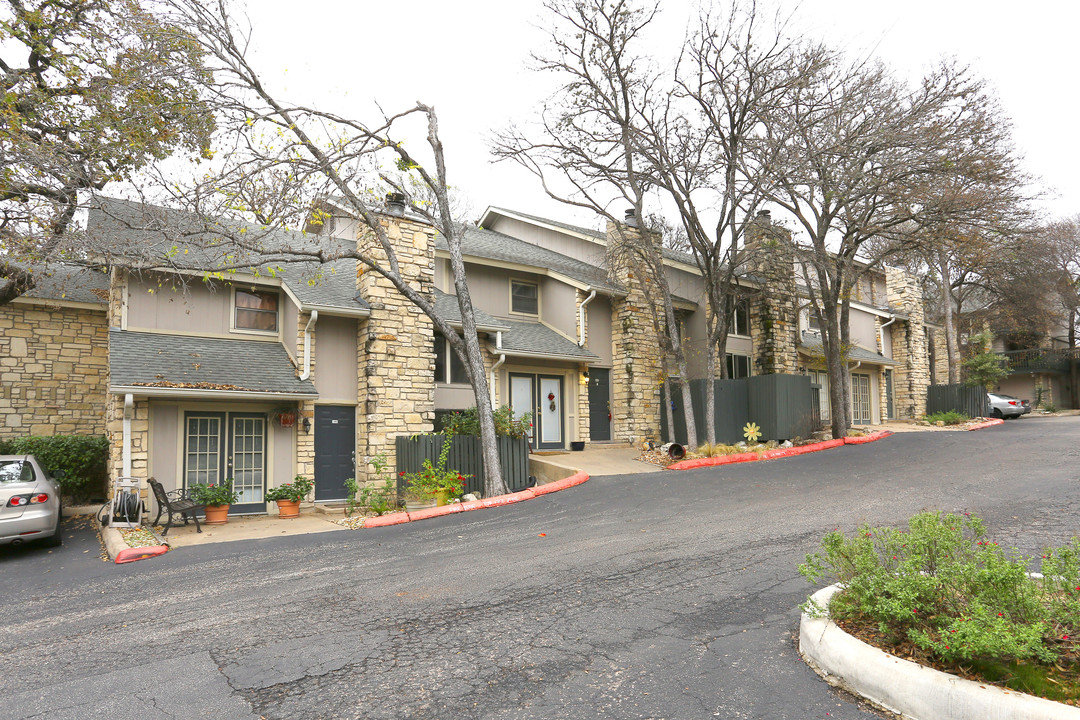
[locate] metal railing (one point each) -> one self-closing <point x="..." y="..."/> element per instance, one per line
<point x="1039" y="360"/>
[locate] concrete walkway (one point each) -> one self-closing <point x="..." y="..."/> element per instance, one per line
<point x="599" y="460"/>
<point x="250" y="527"/>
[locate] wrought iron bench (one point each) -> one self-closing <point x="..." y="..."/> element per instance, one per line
<point x="174" y="503"/>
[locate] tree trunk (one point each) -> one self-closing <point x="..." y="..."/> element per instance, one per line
<point x="710" y="394"/>
<point x="845" y="345"/>
<point x="947" y="304"/>
<point x="667" y="405"/>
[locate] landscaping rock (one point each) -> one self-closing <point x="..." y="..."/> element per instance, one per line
<point x="786" y="444"/>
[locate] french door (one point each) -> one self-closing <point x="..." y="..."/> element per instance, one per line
<point x="223" y="446"/>
<point x="542" y="396"/>
<point x="860" y="399"/>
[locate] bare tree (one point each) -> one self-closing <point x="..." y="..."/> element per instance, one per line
<point x="296" y="155"/>
<point x="855" y="154"/>
<point x="93" y="91"/>
<point x="587" y="150"/>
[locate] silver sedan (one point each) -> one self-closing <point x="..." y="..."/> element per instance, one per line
<point x="1006" y="406"/>
<point x="29" y="502"/>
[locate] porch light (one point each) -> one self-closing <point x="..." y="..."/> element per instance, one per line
<point x="307" y="424"/>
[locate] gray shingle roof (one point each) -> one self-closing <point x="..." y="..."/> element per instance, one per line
<point x="491" y="245"/>
<point x="811" y="342"/>
<point x="668" y="253"/>
<point x="151" y="236"/>
<point x="184" y="362"/>
<point x="71" y="282"/>
<point x="447" y="307"/>
<point x="536" y="339"/>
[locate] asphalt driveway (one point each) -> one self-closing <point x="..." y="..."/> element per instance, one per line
<point x="661" y="595"/>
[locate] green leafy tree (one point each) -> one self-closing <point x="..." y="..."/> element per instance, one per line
<point x="92" y="92"/>
<point x="983" y="367"/>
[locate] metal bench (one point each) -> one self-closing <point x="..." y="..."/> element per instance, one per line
<point x="174" y="503"/>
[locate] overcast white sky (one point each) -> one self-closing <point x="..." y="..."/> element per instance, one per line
<point x="469" y="59"/>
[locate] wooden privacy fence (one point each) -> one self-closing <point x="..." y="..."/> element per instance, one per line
<point x="971" y="401"/>
<point x="783" y="406"/>
<point x="465" y="457"/>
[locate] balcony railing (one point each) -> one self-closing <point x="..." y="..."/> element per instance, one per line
<point x="1039" y="360"/>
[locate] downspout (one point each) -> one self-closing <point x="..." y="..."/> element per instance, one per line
<point x="495" y="367"/>
<point x="129" y="410"/>
<point x="307" y="344"/>
<point x="581" y="318"/>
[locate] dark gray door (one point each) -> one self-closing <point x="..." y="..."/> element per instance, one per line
<point x="335" y="450"/>
<point x="889" y="397"/>
<point x="599" y="404"/>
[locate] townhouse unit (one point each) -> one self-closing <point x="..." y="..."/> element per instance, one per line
<point x="266" y="370"/>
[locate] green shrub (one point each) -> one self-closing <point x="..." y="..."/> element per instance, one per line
<point x="467" y="422"/>
<point x="949" y="591"/>
<point x="78" y="462"/>
<point x="1050" y="407"/>
<point x="949" y="417"/>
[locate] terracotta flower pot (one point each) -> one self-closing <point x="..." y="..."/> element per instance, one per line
<point x="288" y="508"/>
<point x="217" y="514"/>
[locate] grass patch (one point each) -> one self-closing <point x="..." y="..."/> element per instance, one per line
<point x="949" y="417"/>
<point x="943" y="595"/>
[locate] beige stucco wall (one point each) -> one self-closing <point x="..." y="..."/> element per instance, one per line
<point x="54" y="370"/>
<point x="558" y="306"/>
<point x="201" y="308"/>
<point x="863" y="329"/>
<point x="336" y="376"/>
<point x="593" y="253"/>
<point x="598" y="323"/>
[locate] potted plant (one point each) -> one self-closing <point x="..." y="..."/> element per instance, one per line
<point x="215" y="500"/>
<point x="286" y="417"/>
<point x="432" y="483"/>
<point x="289" y="496"/>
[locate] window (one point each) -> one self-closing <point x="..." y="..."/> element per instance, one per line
<point x="813" y="324"/>
<point x="739" y="314"/>
<point x="524" y="297"/>
<point x="446" y="359"/>
<point x="738" y="366"/>
<point x="256" y="310"/>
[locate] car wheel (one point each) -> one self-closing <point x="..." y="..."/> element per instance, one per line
<point x="998" y="415"/>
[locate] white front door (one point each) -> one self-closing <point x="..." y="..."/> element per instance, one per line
<point x="521" y="399"/>
<point x="551" y="409"/>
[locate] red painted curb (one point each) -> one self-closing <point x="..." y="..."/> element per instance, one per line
<point x="777" y="452"/>
<point x="140" y="553"/>
<point x="497" y="501"/>
<point x="988" y="423"/>
<point x="556" y="486"/>
<point x="384" y="520"/>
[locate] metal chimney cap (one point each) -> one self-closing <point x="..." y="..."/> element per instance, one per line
<point x="767" y="214"/>
<point x="631" y="217"/>
<point x="395" y="204"/>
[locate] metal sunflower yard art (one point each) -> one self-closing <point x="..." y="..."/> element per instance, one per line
<point x="752" y="432"/>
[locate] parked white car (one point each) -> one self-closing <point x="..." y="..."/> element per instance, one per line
<point x="29" y="502"/>
<point x="1007" y="406"/>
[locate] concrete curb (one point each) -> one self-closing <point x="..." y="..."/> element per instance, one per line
<point x="778" y="452"/>
<point x="497" y="501"/>
<point x="114" y="542"/>
<point x="988" y="423"/>
<point x="907" y="688"/>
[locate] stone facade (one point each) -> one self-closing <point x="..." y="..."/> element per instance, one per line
<point x="397" y="370"/>
<point x="636" y="375"/>
<point x="54" y="370"/>
<point x="909" y="344"/>
<point x="584" y="432"/>
<point x="774" y="317"/>
<point x="305" y="441"/>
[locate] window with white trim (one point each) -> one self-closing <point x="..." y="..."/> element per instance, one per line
<point x="256" y="310"/>
<point x="448" y="366"/>
<point x="738" y="309"/>
<point x="738" y="366"/>
<point x="524" y="297"/>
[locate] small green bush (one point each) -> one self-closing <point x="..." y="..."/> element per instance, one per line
<point x="949" y="417"/>
<point x="78" y="462"/>
<point x="955" y="595"/>
<point x="1050" y="407"/>
<point x="467" y="422"/>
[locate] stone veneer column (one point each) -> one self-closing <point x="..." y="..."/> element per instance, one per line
<point x="305" y="441"/>
<point x="774" y="317"/>
<point x="910" y="348"/>
<point x="584" y="431"/>
<point x="397" y="365"/>
<point x="636" y="371"/>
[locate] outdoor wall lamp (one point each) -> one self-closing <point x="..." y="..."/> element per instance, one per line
<point x="307" y="424"/>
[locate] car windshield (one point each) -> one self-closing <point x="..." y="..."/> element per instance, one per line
<point x="13" y="471"/>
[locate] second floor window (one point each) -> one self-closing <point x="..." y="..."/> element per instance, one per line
<point x="739" y="314"/>
<point x="256" y="310"/>
<point x="738" y="366"/>
<point x="524" y="297"/>
<point x="448" y="366"/>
